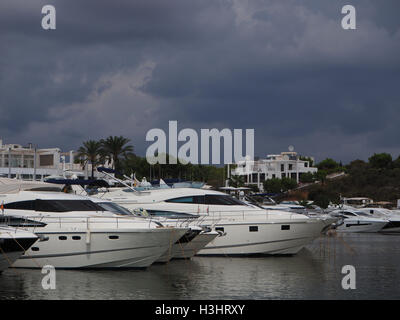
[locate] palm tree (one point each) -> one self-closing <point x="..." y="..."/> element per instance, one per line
<point x="114" y="148"/>
<point x="236" y="181"/>
<point x="90" y="152"/>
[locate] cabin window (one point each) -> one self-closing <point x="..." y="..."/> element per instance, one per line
<point x="285" y="227"/>
<point x="62" y="238"/>
<point x="35" y="249"/>
<point x="54" y="205"/>
<point x="181" y="200"/>
<point x="209" y="199"/>
<point x="253" y="228"/>
<point x="21" y="205"/>
<point x="76" y="238"/>
<point x="113" y="237"/>
<point x="66" y="205"/>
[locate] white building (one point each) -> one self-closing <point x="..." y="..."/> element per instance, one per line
<point x="32" y="163"/>
<point x="286" y="164"/>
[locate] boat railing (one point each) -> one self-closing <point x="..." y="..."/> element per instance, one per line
<point x="39" y="221"/>
<point x="218" y="215"/>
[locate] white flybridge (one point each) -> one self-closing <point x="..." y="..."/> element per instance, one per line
<point x="75" y="232"/>
<point x="13" y="243"/>
<point x="247" y="229"/>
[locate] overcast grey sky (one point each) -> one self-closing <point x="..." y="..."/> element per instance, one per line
<point x="283" y="67"/>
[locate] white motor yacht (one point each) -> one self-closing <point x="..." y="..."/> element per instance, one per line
<point x="358" y="221"/>
<point x="248" y="229"/>
<point x="75" y="232"/>
<point x="392" y="215"/>
<point x="195" y="239"/>
<point x="13" y="243"/>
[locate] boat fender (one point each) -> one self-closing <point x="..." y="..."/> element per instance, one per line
<point x="88" y="237"/>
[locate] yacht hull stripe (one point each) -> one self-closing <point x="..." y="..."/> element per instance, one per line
<point x="81" y="253"/>
<point x="257" y="243"/>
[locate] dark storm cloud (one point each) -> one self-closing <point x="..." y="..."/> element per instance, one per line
<point x="285" y="68"/>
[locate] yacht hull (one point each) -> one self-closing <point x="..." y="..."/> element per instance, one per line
<point x="361" y="226"/>
<point x="274" y="238"/>
<point x="7" y="259"/>
<point x="13" y="245"/>
<point x="100" y="249"/>
<point x="194" y="246"/>
<point x="187" y="250"/>
<point x="392" y="227"/>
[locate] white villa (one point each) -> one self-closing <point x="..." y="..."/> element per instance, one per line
<point x="286" y="164"/>
<point x="33" y="163"/>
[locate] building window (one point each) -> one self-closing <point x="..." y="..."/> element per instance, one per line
<point x="46" y="160"/>
<point x="290" y="167"/>
<point x="262" y="177"/>
<point x="282" y="167"/>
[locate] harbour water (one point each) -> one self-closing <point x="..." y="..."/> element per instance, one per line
<point x="314" y="273"/>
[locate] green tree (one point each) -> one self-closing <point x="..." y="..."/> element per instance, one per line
<point x="288" y="184"/>
<point x="380" y="160"/>
<point x="320" y="175"/>
<point x="273" y="185"/>
<point x="328" y="164"/>
<point x="236" y="181"/>
<point x="115" y="149"/>
<point x="306" y="177"/>
<point x="91" y="152"/>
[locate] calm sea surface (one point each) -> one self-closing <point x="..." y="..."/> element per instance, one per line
<point x="315" y="273"/>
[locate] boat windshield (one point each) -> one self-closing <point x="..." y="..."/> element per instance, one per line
<point x="171" y="214"/>
<point x="209" y="199"/>
<point x="360" y="213"/>
<point x="114" y="208"/>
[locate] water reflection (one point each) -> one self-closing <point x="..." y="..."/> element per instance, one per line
<point x="315" y="273"/>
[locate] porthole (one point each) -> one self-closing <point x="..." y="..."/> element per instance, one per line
<point x="76" y="238"/>
<point x="113" y="237"/>
<point x="35" y="249"/>
<point x="253" y="228"/>
<point x="62" y="238"/>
